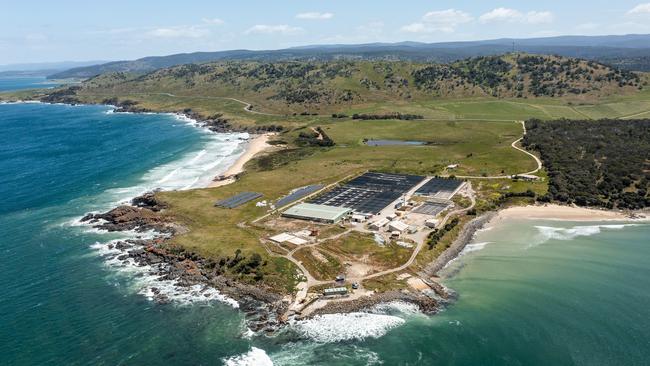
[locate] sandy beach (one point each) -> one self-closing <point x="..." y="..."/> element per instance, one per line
<point x="256" y="145"/>
<point x="559" y="212"/>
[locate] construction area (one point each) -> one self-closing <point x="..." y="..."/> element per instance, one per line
<point x="357" y="230"/>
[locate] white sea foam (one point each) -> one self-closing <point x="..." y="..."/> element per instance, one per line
<point x="192" y="170"/>
<point x="545" y="233"/>
<point x="145" y="281"/>
<point x="254" y="357"/>
<point x="311" y="353"/>
<point x="330" y="328"/>
<point x="474" y="247"/>
<point x="469" y="248"/>
<point x="396" y="307"/>
<point x="22" y="102"/>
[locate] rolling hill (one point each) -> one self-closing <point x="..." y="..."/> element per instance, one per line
<point x="335" y="85"/>
<point x="631" y="52"/>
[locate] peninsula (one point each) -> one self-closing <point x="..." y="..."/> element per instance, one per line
<point x="315" y="219"/>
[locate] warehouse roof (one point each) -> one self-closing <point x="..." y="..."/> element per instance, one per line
<point x="317" y="212"/>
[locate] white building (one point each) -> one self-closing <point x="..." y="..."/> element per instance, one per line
<point x="378" y="224"/>
<point x="431" y="223"/>
<point x="397" y="226"/>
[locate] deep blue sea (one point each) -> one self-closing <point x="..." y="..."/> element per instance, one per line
<point x="530" y="292"/>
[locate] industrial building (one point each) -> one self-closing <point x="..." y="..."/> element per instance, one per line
<point x="316" y="212"/>
<point x="441" y="188"/>
<point x="397" y="226"/>
<point x="335" y="291"/>
<point x="369" y="193"/>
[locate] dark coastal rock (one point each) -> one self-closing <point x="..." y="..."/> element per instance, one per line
<point x="425" y="303"/>
<point x="149" y="201"/>
<point x="124" y="218"/>
<point x="464" y="237"/>
<point x="66" y="95"/>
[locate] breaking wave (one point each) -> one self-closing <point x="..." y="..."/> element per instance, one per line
<point x="254" y="357"/>
<point x="147" y="280"/>
<point x="192" y="170"/>
<point x="546" y="233"/>
<point x="330" y="328"/>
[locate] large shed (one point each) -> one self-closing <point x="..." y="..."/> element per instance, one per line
<point x="314" y="212"/>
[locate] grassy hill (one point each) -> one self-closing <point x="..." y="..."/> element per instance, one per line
<point x="327" y="87"/>
<point x="630" y="52"/>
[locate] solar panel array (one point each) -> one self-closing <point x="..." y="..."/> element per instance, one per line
<point x="369" y="193"/>
<point x="384" y="181"/>
<point x="238" y="199"/>
<point x="437" y="185"/>
<point x="430" y="208"/>
<point x="298" y="194"/>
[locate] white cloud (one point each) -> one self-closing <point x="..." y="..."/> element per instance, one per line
<point x="516" y="16"/>
<point x="539" y="17"/>
<point x="213" y="21"/>
<point x="183" y="31"/>
<point x="641" y="9"/>
<point x="273" y="29"/>
<point x="439" y="21"/>
<point x="315" y="16"/>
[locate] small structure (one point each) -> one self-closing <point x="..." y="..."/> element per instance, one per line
<point x="528" y="177"/>
<point x="335" y="291"/>
<point x="281" y="238"/>
<point x="397" y="226"/>
<point x="238" y="200"/>
<point x="431" y="223"/>
<point x="358" y="218"/>
<point x="452" y="166"/>
<point x="378" y="224"/>
<point x="319" y="213"/>
<point x="288" y="238"/>
<point x="297" y="241"/>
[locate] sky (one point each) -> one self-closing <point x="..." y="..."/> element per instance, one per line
<point x="67" y="30"/>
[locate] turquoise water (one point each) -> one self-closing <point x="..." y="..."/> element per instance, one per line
<point x="530" y="292"/>
<point x="18" y="83"/>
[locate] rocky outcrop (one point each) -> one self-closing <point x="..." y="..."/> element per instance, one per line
<point x="464" y="237"/>
<point x="262" y="307"/>
<point x="149" y="201"/>
<point x="126" y="218"/>
<point x="425" y="303"/>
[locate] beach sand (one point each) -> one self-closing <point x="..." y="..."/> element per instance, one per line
<point x="255" y="146"/>
<point x="558" y="212"/>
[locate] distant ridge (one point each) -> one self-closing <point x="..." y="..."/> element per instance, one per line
<point x="631" y="52"/>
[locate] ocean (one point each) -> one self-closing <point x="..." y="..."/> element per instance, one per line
<point x="529" y="292"/>
<point x="26" y="82"/>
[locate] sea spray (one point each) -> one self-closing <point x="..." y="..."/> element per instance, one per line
<point x="149" y="280"/>
<point x="254" y="357"/>
<point x="546" y="233"/>
<point x="329" y="328"/>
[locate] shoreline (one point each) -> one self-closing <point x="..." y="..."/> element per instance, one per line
<point x="565" y="213"/>
<point x="553" y="212"/>
<point x="256" y="145"/>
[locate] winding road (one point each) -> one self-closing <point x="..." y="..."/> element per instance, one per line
<point x="514" y="146"/>
<point x="248" y="107"/>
